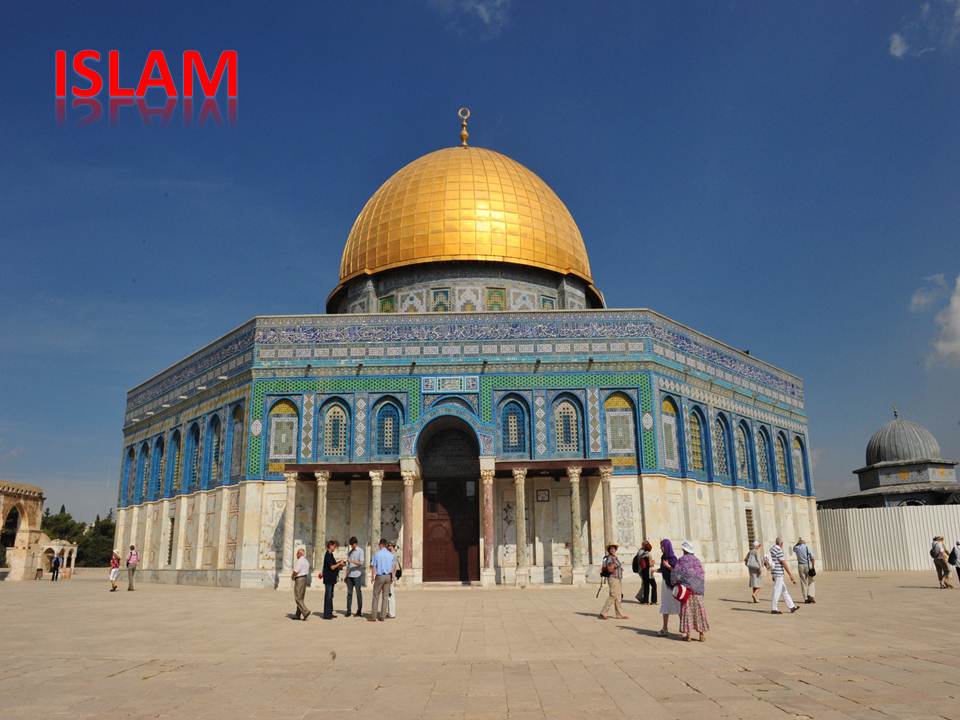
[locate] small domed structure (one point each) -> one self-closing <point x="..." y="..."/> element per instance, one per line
<point x="902" y="441"/>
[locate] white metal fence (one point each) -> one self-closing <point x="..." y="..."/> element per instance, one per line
<point x="893" y="538"/>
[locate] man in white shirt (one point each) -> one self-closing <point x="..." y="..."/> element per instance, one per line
<point x="355" y="562"/>
<point x="301" y="573"/>
<point x="778" y="566"/>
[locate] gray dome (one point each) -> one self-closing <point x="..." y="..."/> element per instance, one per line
<point x="901" y="441"/>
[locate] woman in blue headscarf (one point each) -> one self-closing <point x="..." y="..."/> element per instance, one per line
<point x="669" y="605"/>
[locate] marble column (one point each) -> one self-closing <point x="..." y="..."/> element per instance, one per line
<point x="519" y="483"/>
<point x="576" y="525"/>
<point x="288" y="520"/>
<point x="488" y="573"/>
<point x="407" y="542"/>
<point x="606" y="472"/>
<point x="376" y="493"/>
<point x="320" y="522"/>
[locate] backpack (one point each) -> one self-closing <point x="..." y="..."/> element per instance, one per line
<point x="953" y="556"/>
<point x="604" y="572"/>
<point x="934" y="553"/>
<point x="636" y="563"/>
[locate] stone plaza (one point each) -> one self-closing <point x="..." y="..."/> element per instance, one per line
<point x="875" y="646"/>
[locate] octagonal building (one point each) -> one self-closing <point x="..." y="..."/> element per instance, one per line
<point x="466" y="388"/>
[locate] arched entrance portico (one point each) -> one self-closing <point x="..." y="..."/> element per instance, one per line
<point x="450" y="467"/>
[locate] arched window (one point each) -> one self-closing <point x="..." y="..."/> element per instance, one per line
<point x="695" y="453"/>
<point x="283" y="431"/>
<point x="388" y="429"/>
<point x="214" y="448"/>
<point x="128" y="481"/>
<point x="621" y="433"/>
<point x="175" y="462"/>
<point x="671" y="444"/>
<point x="743" y="453"/>
<point x="799" y="464"/>
<point x="514" y="428"/>
<point x="763" y="458"/>
<point x="143" y="472"/>
<point x="721" y="461"/>
<point x="236" y="443"/>
<point x="193" y="458"/>
<point x="335" y="431"/>
<point x="566" y="421"/>
<point x="159" y="465"/>
<point x="780" y="451"/>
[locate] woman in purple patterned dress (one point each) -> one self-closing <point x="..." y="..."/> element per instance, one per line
<point x="689" y="572"/>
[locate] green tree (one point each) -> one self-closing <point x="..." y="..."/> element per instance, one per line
<point x="62" y="526"/>
<point x="96" y="545"/>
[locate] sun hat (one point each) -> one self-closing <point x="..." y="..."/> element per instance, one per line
<point x="688" y="547"/>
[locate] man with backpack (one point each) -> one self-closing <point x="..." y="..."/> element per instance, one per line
<point x="612" y="572"/>
<point x="643" y="566"/>
<point x="939" y="554"/>
<point x="954" y="558"/>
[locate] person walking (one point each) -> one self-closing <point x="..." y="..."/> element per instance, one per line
<point x="954" y="558"/>
<point x="806" y="570"/>
<point x="114" y="569"/>
<point x="779" y="567"/>
<point x="55" y="568"/>
<point x="301" y="574"/>
<point x="330" y="576"/>
<point x="354" y="577"/>
<point x="939" y="554"/>
<point x="669" y="605"/>
<point x="133" y="559"/>
<point x="689" y="573"/>
<point x="381" y="572"/>
<point x="614" y="575"/>
<point x="647" y="594"/>
<point x="754" y="563"/>
<point x="394" y="577"/>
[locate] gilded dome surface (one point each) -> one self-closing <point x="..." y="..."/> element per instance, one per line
<point x="464" y="203"/>
<point x="902" y="440"/>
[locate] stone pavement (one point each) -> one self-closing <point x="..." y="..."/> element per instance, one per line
<point x="874" y="647"/>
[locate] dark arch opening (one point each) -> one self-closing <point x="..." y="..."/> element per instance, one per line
<point x="8" y="533"/>
<point x="450" y="464"/>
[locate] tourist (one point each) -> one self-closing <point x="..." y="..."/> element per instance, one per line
<point x="955" y="554"/>
<point x="614" y="575"/>
<point x="806" y="570"/>
<point x="669" y="605"/>
<point x="395" y="576"/>
<point x="114" y="569"/>
<point x="778" y="566"/>
<point x="330" y="576"/>
<point x="647" y="594"/>
<point x="55" y="568"/>
<point x="354" y="577"/>
<point x="133" y="559"/>
<point x="754" y="563"/>
<point x="381" y="572"/>
<point x="939" y="554"/>
<point x="301" y="574"/>
<point x="689" y="573"/>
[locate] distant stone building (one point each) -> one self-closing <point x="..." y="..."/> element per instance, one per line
<point x="904" y="467"/>
<point x="25" y="547"/>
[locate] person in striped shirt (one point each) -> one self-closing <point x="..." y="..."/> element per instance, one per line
<point x="779" y="567"/>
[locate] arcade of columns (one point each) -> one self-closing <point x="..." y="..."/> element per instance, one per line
<point x="322" y="478"/>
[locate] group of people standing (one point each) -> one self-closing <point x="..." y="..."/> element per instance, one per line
<point x="942" y="560"/>
<point x="132" y="562"/>
<point x="682" y="591"/>
<point x="775" y="562"/>
<point x="385" y="570"/>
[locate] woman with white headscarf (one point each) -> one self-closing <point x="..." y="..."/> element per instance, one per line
<point x="754" y="563"/>
<point x="689" y="573"/>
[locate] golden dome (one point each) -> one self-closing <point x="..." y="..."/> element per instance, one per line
<point x="464" y="203"/>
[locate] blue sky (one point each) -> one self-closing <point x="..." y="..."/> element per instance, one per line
<point x="781" y="178"/>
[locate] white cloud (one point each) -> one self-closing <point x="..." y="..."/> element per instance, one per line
<point x="947" y="346"/>
<point x="936" y="26"/>
<point x="491" y="15"/>
<point x="898" y="46"/>
<point x="934" y="288"/>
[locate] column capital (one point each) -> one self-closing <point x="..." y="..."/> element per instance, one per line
<point x="486" y="476"/>
<point x="606" y="472"/>
<point x="409" y="476"/>
<point x="573" y="473"/>
<point x="322" y="477"/>
<point x="519" y="474"/>
<point x="376" y="477"/>
<point x="290" y="477"/>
